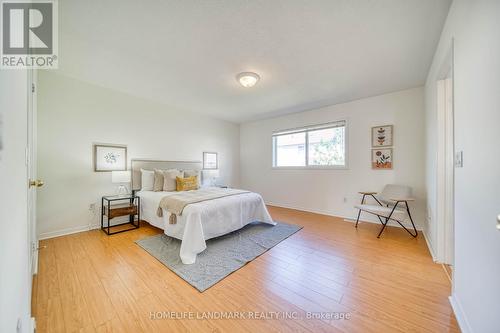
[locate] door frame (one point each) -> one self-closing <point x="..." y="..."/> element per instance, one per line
<point x="445" y="160"/>
<point x="31" y="154"/>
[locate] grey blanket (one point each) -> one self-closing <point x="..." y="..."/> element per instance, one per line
<point x="176" y="203"/>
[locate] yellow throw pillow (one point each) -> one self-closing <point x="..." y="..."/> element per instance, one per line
<point x="187" y="184"/>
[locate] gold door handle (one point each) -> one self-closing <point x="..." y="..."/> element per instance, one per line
<point x="36" y="183"/>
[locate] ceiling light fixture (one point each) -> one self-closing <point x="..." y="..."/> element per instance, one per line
<point x="248" y="79"/>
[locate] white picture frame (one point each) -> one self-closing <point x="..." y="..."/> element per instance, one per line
<point x="110" y="158"/>
<point x="210" y="161"/>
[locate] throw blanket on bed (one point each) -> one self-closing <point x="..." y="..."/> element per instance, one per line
<point x="176" y="203"/>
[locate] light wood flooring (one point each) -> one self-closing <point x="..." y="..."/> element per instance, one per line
<point x="90" y="282"/>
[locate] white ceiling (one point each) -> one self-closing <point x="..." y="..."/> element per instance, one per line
<point x="185" y="54"/>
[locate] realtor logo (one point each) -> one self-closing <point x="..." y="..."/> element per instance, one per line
<point x="29" y="34"/>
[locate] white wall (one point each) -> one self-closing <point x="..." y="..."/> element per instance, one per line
<point x="15" y="274"/>
<point x="475" y="28"/>
<point x="324" y="191"/>
<point x="72" y="115"/>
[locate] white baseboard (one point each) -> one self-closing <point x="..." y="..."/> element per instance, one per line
<point x="68" y="231"/>
<point x="460" y="314"/>
<point x="429" y="246"/>
<point x="32" y="328"/>
<point x="346" y="218"/>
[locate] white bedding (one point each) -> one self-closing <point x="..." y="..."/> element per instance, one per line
<point x="204" y="220"/>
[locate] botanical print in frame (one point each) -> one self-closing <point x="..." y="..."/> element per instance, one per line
<point x="382" y="136"/>
<point x="110" y="158"/>
<point x="210" y="161"/>
<point x="382" y="158"/>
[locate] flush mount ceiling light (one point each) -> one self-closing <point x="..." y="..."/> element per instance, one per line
<point x="248" y="79"/>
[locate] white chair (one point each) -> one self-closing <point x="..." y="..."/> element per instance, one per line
<point x="387" y="207"/>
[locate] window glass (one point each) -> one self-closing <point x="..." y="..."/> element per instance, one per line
<point x="290" y="149"/>
<point x="313" y="146"/>
<point x="326" y="146"/>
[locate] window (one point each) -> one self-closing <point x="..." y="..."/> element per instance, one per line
<point x="312" y="146"/>
<point x="290" y="149"/>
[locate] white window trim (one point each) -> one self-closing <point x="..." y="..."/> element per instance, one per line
<point x="312" y="167"/>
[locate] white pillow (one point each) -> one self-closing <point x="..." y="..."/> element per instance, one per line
<point x="191" y="173"/>
<point x="147" y="180"/>
<point x="169" y="179"/>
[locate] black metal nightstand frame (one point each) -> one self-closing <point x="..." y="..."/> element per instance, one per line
<point x="105" y="211"/>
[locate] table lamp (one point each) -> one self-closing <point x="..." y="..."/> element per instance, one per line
<point x="210" y="176"/>
<point x="122" y="178"/>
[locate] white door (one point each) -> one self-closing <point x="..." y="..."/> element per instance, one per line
<point x="445" y="163"/>
<point x="16" y="275"/>
<point x="34" y="183"/>
<point x="449" y="190"/>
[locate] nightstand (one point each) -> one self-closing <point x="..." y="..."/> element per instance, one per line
<point x="120" y="205"/>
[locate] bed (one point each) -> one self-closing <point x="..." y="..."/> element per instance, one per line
<point x="199" y="221"/>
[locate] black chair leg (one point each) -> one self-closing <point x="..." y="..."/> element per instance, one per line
<point x="383" y="227"/>
<point x="386" y="220"/>
<point x="359" y="213"/>
<point x="411" y="219"/>
<point x="357" y="220"/>
<point x="415" y="234"/>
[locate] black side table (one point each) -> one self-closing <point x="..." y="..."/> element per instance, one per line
<point x="120" y="205"/>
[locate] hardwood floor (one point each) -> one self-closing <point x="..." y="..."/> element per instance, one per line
<point x="90" y="282"/>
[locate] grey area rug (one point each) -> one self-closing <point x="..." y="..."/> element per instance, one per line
<point x="223" y="255"/>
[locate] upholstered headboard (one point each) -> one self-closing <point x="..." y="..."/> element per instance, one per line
<point x="137" y="165"/>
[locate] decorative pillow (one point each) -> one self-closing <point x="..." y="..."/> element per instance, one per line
<point x="169" y="179"/>
<point x="187" y="184"/>
<point x="158" y="181"/>
<point x="147" y="180"/>
<point x="192" y="173"/>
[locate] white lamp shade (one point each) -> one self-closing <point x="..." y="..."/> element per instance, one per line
<point x="215" y="173"/>
<point x="208" y="174"/>
<point x="119" y="177"/>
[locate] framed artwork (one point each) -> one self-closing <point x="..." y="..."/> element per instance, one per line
<point x="382" y="136"/>
<point x="382" y="158"/>
<point x="210" y="161"/>
<point x="110" y="158"/>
